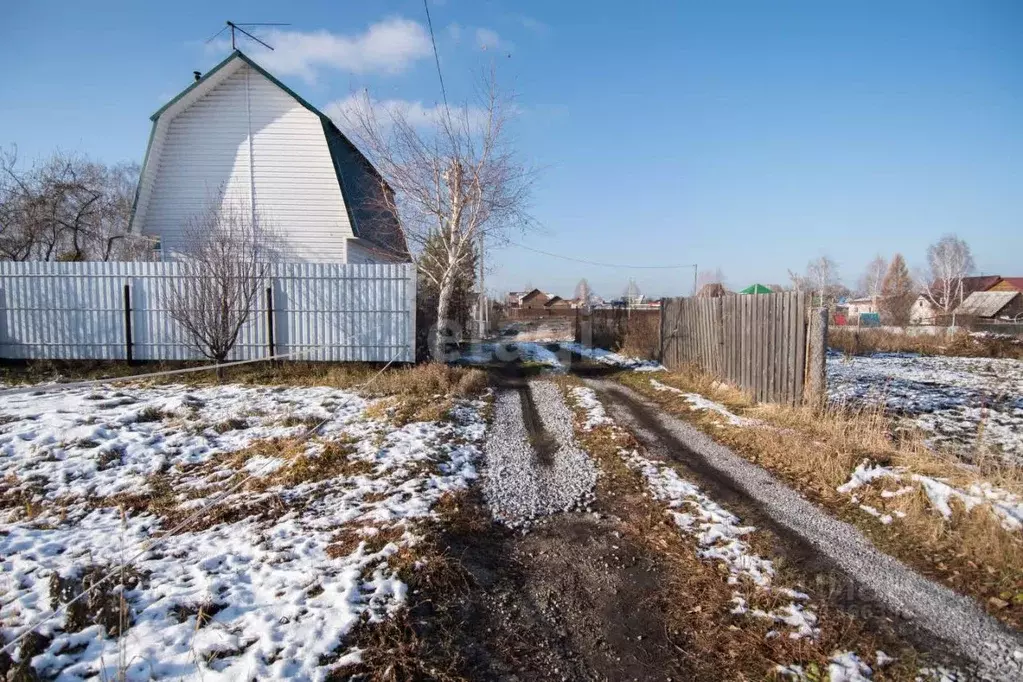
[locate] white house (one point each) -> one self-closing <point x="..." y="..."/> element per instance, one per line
<point x="240" y="134"/>
<point x="860" y="306"/>
<point x="923" y="311"/>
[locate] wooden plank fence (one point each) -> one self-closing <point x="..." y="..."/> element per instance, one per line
<point x="757" y="342"/>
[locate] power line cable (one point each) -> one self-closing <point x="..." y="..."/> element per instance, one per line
<point x="598" y="263"/>
<point x="436" y="57"/>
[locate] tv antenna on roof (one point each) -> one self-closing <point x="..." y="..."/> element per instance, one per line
<point x="238" y="27"/>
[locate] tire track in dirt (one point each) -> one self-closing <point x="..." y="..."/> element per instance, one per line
<point x="930" y="615"/>
<point x="575" y="598"/>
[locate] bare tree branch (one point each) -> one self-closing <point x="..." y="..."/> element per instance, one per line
<point x="456" y="184"/>
<point x="224" y="267"/>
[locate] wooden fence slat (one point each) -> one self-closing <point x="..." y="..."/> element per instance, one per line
<point x="800" y="361"/>
<point x="787" y="350"/>
<point x="756" y="342"/>
<point x="773" y="366"/>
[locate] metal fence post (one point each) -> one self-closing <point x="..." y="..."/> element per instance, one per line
<point x="271" y="350"/>
<point x="128" y="350"/>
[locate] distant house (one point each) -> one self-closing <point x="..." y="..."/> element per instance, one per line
<point x="1007" y="284"/>
<point x="237" y="138"/>
<point x="992" y="305"/>
<point x="534" y="299"/>
<point x="925" y="311"/>
<point x="558" y="303"/>
<point x="860" y="306"/>
<point x="514" y="298"/>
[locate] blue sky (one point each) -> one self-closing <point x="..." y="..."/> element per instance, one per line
<point x="750" y="136"/>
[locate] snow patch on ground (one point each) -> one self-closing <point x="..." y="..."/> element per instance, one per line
<point x="614" y="359"/>
<point x="586" y="399"/>
<point x="490" y="352"/>
<point x="698" y="402"/>
<point x="957" y="401"/>
<point x="284" y="601"/>
<point x="1006" y="506"/>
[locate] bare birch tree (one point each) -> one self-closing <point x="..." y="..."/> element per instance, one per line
<point x="455" y="180"/>
<point x="798" y="282"/>
<point x="821" y="277"/>
<point x="224" y="265"/>
<point x="948" y="261"/>
<point x="873" y="278"/>
<point x="583" y="292"/>
<point x="705" y="277"/>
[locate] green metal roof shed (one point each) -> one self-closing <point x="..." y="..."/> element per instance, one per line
<point x="756" y="289"/>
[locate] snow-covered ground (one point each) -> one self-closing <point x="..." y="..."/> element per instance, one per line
<point x="285" y="575"/>
<point x="556" y="354"/>
<point x="1004" y="505"/>
<point x="965" y="404"/>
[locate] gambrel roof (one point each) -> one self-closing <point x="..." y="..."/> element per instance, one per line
<point x="361" y="184"/>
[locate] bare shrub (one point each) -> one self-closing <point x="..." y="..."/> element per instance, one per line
<point x="223" y="268"/>
<point x="67" y="208"/>
<point x="957" y="344"/>
<point x="642" y="337"/>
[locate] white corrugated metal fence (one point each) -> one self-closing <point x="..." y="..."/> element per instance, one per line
<point x="76" y="311"/>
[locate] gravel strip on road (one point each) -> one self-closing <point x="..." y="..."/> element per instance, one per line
<point x="951" y="617"/>
<point x="517" y="487"/>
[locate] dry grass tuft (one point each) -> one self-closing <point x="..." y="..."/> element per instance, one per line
<point x="347" y="540"/>
<point x="642" y="337"/>
<point x="396" y="380"/>
<point x="959" y="344"/>
<point x="816" y="452"/>
<point x="103" y="606"/>
<point x="422" y="641"/>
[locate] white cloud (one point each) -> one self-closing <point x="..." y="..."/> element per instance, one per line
<point x="488" y="39"/>
<point x="534" y="25"/>
<point x="420" y="115"/>
<point x="388" y="46"/>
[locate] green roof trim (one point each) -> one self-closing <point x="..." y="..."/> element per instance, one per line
<point x="138" y="187"/>
<point x="756" y="289"/>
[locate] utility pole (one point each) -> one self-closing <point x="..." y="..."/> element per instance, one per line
<point x="482" y="312"/>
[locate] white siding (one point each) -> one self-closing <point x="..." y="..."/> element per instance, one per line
<point x="323" y="311"/>
<point x="292" y="178"/>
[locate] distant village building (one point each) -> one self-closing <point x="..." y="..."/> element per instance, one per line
<point x="992" y="305"/>
<point x="860" y="306"/>
<point x="534" y="299"/>
<point x="925" y="311"/>
<point x="558" y="303"/>
<point x="514" y="298"/>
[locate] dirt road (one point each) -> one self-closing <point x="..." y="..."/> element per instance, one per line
<point x="879" y="587"/>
